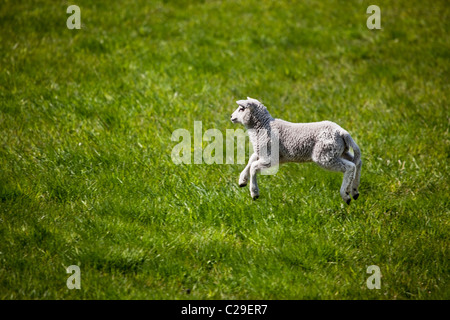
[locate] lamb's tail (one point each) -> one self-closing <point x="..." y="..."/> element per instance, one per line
<point x="351" y="143"/>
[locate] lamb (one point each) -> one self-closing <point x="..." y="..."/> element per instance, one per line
<point x="324" y="143"/>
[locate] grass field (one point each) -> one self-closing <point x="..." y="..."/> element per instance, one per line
<point x="87" y="179"/>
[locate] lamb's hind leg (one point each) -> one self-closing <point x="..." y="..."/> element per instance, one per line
<point x="345" y="166"/>
<point x="355" y="183"/>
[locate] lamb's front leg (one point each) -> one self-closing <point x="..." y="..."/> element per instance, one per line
<point x="243" y="178"/>
<point x="256" y="167"/>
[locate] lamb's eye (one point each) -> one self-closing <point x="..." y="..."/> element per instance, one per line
<point x="241" y="109"/>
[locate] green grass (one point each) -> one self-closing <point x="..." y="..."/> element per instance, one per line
<point x="86" y="176"/>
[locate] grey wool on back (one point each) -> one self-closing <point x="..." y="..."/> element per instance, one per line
<point x="325" y="143"/>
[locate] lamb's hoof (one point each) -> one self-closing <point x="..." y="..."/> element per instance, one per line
<point x="348" y="201"/>
<point x="255" y="197"/>
<point x="242" y="185"/>
<point x="355" y="197"/>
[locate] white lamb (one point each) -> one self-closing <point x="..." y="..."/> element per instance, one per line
<point x="324" y="143"/>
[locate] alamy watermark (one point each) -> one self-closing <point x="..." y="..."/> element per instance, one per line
<point x="214" y="152"/>
<point x="74" y="20"/>
<point x="373" y="21"/>
<point x="374" y="281"/>
<point x="74" y="281"/>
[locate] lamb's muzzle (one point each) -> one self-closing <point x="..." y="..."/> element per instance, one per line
<point x="324" y="143"/>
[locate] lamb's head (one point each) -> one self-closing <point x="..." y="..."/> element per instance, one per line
<point x="250" y="113"/>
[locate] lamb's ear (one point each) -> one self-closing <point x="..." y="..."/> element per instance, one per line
<point x="253" y="100"/>
<point x="242" y="103"/>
